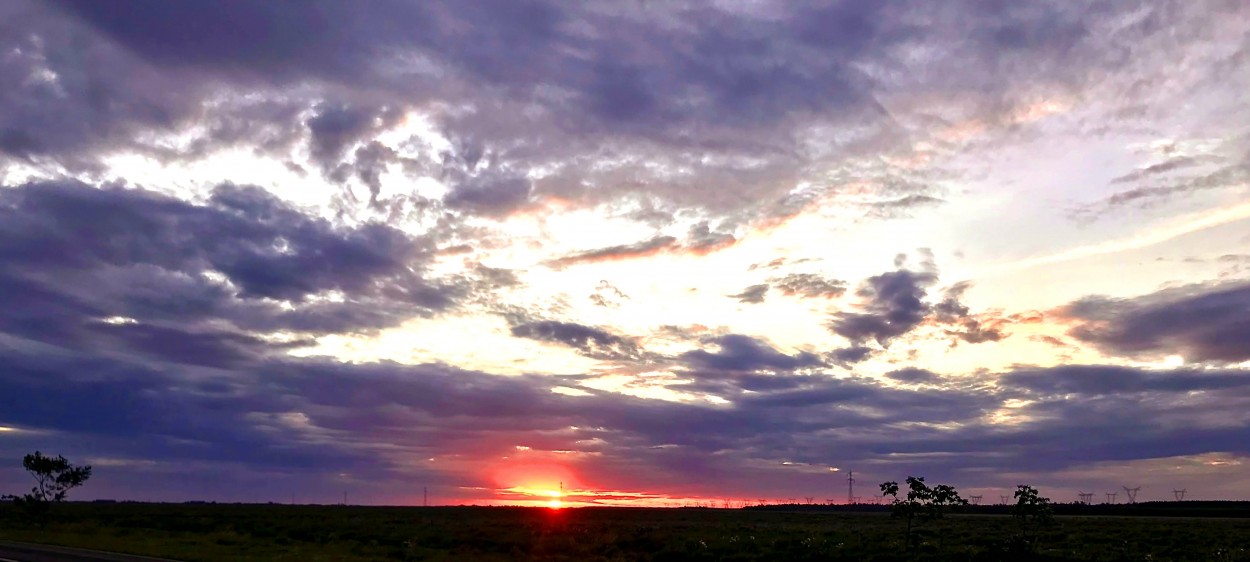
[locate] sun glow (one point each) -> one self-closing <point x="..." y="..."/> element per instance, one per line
<point x="557" y="499"/>
<point x="536" y="483"/>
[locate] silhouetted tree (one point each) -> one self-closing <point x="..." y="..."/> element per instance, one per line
<point x="54" y="478"/>
<point x="922" y="503"/>
<point x="1031" y="510"/>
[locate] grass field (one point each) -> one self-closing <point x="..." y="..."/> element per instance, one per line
<point x="313" y="533"/>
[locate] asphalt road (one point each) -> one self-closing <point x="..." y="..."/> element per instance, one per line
<point x="26" y="552"/>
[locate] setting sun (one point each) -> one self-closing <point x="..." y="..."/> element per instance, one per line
<point x="537" y="483"/>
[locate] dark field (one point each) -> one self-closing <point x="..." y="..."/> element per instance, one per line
<point x="278" y="532"/>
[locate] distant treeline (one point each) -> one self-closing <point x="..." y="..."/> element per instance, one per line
<point x="1143" y="509"/>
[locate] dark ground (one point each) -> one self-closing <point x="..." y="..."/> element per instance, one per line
<point x="280" y="532"/>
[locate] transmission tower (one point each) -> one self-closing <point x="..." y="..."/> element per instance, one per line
<point x="1131" y="493"/>
<point x="1004" y="499"/>
<point x="1111" y="496"/>
<point x="975" y="500"/>
<point x="810" y="499"/>
<point x="850" y="486"/>
<point x="1180" y="494"/>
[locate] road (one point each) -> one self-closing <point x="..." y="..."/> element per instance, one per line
<point x="26" y="552"/>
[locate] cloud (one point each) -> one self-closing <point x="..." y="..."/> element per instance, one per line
<point x="853" y="354"/>
<point x="690" y="101"/>
<point x="703" y="240"/>
<point x="314" y="418"/>
<point x="810" y="285"/>
<point x="593" y="342"/>
<point x="700" y="241"/>
<point x="1202" y="323"/>
<point x="894" y="305"/>
<point x="903" y="206"/>
<point x="752" y="295"/>
<point x="1171" y="164"/>
<point x="913" y="375"/>
<point x="1094" y="380"/>
<point x="625" y="251"/>
<point x="608" y="295"/>
<point x="963" y="325"/>
<point x="744" y="353"/>
<point x="1236" y="176"/>
<point x="714" y="108"/>
<point x="490" y="193"/>
<point x="114" y="266"/>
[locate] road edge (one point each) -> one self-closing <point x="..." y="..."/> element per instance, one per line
<point x="86" y="552"/>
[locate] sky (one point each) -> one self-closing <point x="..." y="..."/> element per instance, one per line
<point x="625" y="252"/>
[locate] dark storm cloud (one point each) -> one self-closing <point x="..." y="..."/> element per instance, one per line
<point x="752" y="295"/>
<point x="319" y="416"/>
<point x="913" y="375"/>
<point x="590" y="341"/>
<point x="113" y="266"/>
<point x="1095" y="380"/>
<point x="334" y="128"/>
<point x="744" y="353"/>
<point x="155" y="411"/>
<point x="512" y="46"/>
<point x="490" y="193"/>
<point x="894" y="305"/>
<point x="1199" y="322"/>
<point x="1082" y="414"/>
<point x="719" y="100"/>
<point x="853" y="354"/>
